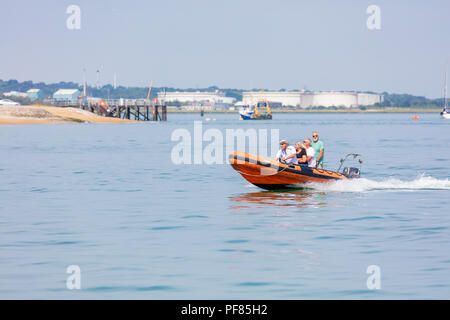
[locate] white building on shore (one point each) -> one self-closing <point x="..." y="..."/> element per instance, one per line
<point x="216" y="97"/>
<point x="308" y="99"/>
<point x="16" y="94"/>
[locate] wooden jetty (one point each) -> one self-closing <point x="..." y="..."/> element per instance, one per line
<point x="131" y="109"/>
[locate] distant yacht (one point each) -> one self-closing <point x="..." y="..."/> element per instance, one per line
<point x="446" y="111"/>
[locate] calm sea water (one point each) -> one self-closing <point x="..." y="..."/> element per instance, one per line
<point x="108" y="199"/>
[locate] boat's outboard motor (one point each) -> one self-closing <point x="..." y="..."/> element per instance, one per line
<point x="351" y="172"/>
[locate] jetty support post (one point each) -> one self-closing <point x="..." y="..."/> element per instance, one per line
<point x="164" y="112"/>
<point x="155" y="112"/>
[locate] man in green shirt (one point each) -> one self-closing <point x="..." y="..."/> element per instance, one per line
<point x="318" y="148"/>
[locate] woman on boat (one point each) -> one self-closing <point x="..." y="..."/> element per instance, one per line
<point x="301" y="154"/>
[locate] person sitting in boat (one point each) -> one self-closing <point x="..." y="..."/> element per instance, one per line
<point x="310" y="153"/>
<point x="287" y="153"/>
<point x="301" y="154"/>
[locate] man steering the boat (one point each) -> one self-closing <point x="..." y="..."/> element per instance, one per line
<point x="287" y="154"/>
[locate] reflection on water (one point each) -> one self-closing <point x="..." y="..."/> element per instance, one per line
<point x="299" y="199"/>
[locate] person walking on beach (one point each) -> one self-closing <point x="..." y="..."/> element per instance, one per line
<point x="319" y="149"/>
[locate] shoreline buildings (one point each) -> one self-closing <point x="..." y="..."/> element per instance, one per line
<point x="298" y="99"/>
<point x="35" y="94"/>
<point x="32" y="94"/>
<point x="217" y="100"/>
<point x="197" y="100"/>
<point x="66" y="95"/>
<point x="15" y="94"/>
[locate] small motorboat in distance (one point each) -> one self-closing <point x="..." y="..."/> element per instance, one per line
<point x="271" y="174"/>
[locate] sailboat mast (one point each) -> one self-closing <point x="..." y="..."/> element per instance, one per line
<point x="445" y="88"/>
<point x="84" y="83"/>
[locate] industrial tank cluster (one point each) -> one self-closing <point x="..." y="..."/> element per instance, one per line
<point x="308" y="99"/>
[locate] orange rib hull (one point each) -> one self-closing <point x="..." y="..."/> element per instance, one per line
<point x="270" y="174"/>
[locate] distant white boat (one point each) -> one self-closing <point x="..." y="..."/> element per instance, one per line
<point x="445" y="113"/>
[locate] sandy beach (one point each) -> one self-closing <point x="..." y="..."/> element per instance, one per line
<point x="46" y="114"/>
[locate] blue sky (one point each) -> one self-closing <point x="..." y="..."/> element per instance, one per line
<point x="318" y="45"/>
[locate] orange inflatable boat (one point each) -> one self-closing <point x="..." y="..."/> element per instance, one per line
<point x="270" y="174"/>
